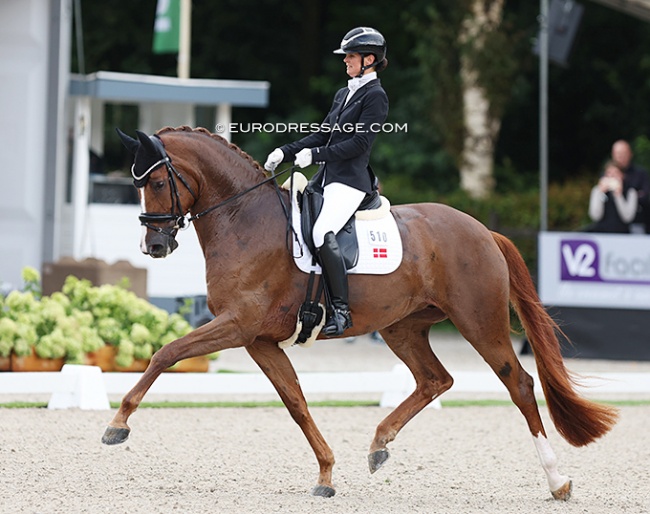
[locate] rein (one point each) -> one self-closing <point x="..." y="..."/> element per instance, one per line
<point x="182" y="222"/>
<point x="239" y="195"/>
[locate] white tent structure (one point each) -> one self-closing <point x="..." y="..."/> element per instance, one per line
<point x="50" y="121"/>
<point x="94" y="227"/>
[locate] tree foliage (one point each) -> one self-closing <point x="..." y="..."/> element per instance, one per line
<point x="603" y="95"/>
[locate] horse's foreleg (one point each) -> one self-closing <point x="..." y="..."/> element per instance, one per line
<point x="276" y="366"/>
<point x="409" y="340"/>
<point x="212" y="337"/>
<point x="118" y="430"/>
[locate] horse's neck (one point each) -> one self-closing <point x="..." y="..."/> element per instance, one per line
<point x="255" y="215"/>
<point x="228" y="175"/>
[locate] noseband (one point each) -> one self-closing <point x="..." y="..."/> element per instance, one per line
<point x="176" y="216"/>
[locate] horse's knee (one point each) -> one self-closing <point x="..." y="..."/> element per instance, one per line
<point x="163" y="358"/>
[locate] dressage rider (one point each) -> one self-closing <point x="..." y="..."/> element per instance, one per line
<point x="342" y="148"/>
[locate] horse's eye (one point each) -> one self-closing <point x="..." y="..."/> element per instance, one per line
<point x="158" y="185"/>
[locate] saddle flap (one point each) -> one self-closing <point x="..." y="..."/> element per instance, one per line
<point x="348" y="243"/>
<point x="311" y="204"/>
<point x="375" y="231"/>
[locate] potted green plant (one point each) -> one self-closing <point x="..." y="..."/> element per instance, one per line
<point x="108" y="326"/>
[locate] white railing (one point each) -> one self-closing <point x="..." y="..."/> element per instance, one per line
<point x="86" y="387"/>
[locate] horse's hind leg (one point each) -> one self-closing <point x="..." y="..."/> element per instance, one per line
<point x="409" y="340"/>
<point x="491" y="339"/>
<point x="276" y="366"/>
<point x="503" y="361"/>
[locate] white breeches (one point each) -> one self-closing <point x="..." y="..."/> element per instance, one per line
<point x="339" y="204"/>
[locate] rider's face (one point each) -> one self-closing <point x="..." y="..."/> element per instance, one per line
<point x="352" y="64"/>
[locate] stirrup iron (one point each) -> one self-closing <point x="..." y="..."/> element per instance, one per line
<point x="339" y="322"/>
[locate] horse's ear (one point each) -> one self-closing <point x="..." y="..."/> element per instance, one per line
<point x="131" y="144"/>
<point x="147" y="143"/>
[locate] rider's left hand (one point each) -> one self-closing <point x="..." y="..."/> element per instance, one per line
<point x="304" y="158"/>
<point x="274" y="158"/>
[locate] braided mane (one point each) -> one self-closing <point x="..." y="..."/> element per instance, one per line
<point x="216" y="137"/>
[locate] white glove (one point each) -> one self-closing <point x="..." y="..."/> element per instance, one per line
<point x="274" y="158"/>
<point x="303" y="157"/>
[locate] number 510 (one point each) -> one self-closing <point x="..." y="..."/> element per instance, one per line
<point x="377" y="237"/>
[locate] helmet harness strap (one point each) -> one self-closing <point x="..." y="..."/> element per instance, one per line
<point x="364" y="67"/>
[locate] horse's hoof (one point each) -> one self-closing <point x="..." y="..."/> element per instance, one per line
<point x="115" y="435"/>
<point x="323" y="490"/>
<point x="377" y="459"/>
<point x="564" y="492"/>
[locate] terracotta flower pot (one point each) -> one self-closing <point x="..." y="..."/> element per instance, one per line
<point x="104" y="358"/>
<point x="5" y="363"/>
<point x="192" y="365"/>
<point x="35" y="363"/>
<point x="138" y="365"/>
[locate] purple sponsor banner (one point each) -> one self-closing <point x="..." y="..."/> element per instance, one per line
<point x="580" y="260"/>
<point x="595" y="270"/>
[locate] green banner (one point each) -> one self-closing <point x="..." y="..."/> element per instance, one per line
<point x="166" y="32"/>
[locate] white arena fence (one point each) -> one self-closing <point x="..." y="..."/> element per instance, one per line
<point x="86" y="387"/>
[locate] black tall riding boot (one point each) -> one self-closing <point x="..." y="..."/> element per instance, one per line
<point x="336" y="279"/>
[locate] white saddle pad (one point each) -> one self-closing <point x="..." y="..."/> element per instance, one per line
<point x="380" y="244"/>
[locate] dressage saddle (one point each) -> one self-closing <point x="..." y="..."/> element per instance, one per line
<point x="310" y="201"/>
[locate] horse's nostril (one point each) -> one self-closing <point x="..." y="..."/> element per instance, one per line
<point x="157" y="250"/>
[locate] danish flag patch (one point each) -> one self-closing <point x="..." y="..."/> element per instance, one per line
<point x="380" y="253"/>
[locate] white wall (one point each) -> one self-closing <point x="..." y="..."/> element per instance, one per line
<point x="30" y="95"/>
<point x="112" y="233"/>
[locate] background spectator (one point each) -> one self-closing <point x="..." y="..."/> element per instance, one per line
<point x="636" y="177"/>
<point x="613" y="202"/>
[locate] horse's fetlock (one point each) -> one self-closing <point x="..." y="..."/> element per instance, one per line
<point x="128" y="405"/>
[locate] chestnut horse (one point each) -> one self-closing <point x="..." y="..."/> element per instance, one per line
<point x="453" y="267"/>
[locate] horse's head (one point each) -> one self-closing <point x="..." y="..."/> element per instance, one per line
<point x="165" y="195"/>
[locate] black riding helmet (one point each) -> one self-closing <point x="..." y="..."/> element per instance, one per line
<point x="365" y="41"/>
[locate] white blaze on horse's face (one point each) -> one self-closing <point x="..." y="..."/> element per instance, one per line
<point x="143" y="243"/>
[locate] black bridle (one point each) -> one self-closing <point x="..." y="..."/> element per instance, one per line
<point x="181" y="221"/>
<point x="147" y="218"/>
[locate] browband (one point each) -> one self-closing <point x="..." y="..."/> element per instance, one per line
<point x="151" y="168"/>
